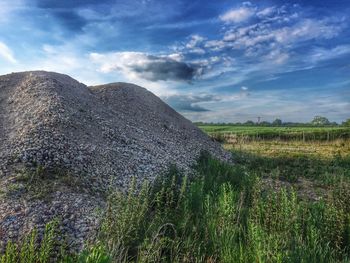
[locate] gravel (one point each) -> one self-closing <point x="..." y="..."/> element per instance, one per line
<point x="97" y="137"/>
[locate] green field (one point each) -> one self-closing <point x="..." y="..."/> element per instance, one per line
<point x="283" y="133"/>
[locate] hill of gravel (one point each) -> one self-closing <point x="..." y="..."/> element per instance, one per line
<point x="63" y="145"/>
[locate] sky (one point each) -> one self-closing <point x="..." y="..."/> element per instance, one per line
<point x="213" y="61"/>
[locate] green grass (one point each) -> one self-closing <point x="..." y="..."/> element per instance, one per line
<point x="283" y="133"/>
<point x="327" y="163"/>
<point x="326" y="171"/>
<point x="31" y="250"/>
<point x="224" y="213"/>
<point x="41" y="183"/>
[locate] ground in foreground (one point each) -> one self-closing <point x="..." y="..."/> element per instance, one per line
<point x="281" y="202"/>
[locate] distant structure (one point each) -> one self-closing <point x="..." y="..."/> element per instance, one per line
<point x="259" y="119"/>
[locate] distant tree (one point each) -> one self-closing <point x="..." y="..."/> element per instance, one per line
<point x="277" y="122"/>
<point x="319" y="120"/>
<point x="264" y="123"/>
<point x="249" y="123"/>
<point x="346" y="123"/>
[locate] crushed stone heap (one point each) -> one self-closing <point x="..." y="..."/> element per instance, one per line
<point x="98" y="137"/>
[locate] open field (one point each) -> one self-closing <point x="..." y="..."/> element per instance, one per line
<point x="283" y="133"/>
<point x="282" y="201"/>
<point x="317" y="149"/>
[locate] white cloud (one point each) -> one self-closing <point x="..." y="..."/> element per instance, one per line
<point x="238" y="15"/>
<point x="197" y="50"/>
<point x="6" y="53"/>
<point x="275" y="28"/>
<point x="266" y="12"/>
<point x="176" y="56"/>
<point x="321" y="54"/>
<point x="195" y="40"/>
<point x="214" y="59"/>
<point x="307" y="29"/>
<point x="277" y="57"/>
<point x="215" y="45"/>
<point x="272" y="41"/>
<point x="194" y="45"/>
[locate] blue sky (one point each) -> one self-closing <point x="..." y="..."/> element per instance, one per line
<point x="219" y="61"/>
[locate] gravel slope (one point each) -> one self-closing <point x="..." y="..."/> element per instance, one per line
<point x="96" y="137"/>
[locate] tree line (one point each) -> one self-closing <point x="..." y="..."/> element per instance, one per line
<point x="317" y="121"/>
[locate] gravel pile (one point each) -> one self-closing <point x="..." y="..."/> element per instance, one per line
<point x="84" y="141"/>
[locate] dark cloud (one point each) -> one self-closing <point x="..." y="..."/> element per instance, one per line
<point x="70" y="20"/>
<point x="189" y="102"/>
<point x="66" y="12"/>
<point x="159" y="68"/>
<point x="66" y="4"/>
<point x="148" y="67"/>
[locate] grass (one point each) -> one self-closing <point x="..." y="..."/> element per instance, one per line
<point x="220" y="132"/>
<point x="30" y="251"/>
<point x="40" y="183"/>
<point x="324" y="150"/>
<point x="327" y="163"/>
<point x="225" y="213"/>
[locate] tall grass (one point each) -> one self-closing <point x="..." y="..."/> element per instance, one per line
<point x="32" y="250"/>
<point x="222" y="214"/>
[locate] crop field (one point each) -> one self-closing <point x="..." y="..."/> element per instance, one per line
<point x="283" y="133"/>
<point x="281" y="201"/>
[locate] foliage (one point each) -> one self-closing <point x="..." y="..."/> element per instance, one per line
<point x="277" y="122"/>
<point x="31" y="251"/>
<point x="282" y="133"/>
<point x="94" y="254"/>
<point x="319" y="120"/>
<point x="346" y="123"/>
<point x="223" y="213"/>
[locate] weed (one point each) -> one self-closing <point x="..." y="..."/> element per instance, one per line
<point x="222" y="214"/>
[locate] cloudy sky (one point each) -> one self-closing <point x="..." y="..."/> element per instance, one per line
<point x="219" y="61"/>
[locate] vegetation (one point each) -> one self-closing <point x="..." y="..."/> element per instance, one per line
<point x="320" y="121"/>
<point x="317" y="121"/>
<point x="228" y="213"/>
<point x="30" y="251"/>
<point x="346" y="123"/>
<point x="220" y="132"/>
<point x="37" y="184"/>
<point x="286" y="199"/>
